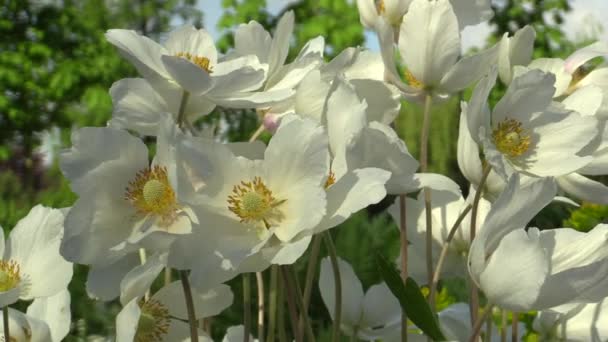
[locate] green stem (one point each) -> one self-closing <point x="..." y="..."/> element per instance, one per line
<point x="261" y="305"/>
<point x="7" y="335"/>
<point x="404" y="245"/>
<point x="272" y="310"/>
<point x="503" y="326"/>
<point x="329" y="243"/>
<point x="294" y="284"/>
<point x="424" y="163"/>
<point x="246" y="306"/>
<point x="474" y="292"/>
<point x="281" y="309"/>
<point x="291" y="304"/>
<point x="181" y="113"/>
<point x="479" y="323"/>
<point x="515" y="327"/>
<point x="310" y="276"/>
<point x="189" y="306"/>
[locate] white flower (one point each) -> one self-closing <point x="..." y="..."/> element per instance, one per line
<point x="446" y="207"/>
<point x="522" y="270"/>
<point x="526" y="132"/>
<point x="31" y="266"/>
<point x="236" y="334"/>
<point x="255" y="205"/>
<point x="514" y="51"/>
<point x="54" y="311"/>
<point x="369" y="316"/>
<point x="23" y="328"/>
<point x="433" y="66"/>
<point x="125" y="202"/>
<point x="572" y="322"/>
<point x="164" y="316"/>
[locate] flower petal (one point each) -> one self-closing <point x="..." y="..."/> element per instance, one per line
<point x="584" y="188"/>
<point x="352" y="292"/>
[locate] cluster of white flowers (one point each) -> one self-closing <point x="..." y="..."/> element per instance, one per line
<point x="211" y="210"/>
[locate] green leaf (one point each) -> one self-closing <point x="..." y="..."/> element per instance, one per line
<point x="411" y="299"/>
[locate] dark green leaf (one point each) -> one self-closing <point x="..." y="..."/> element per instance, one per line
<point x="411" y="299"/>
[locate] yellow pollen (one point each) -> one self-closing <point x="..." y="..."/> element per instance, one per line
<point x="331" y="179"/>
<point x="380" y="7"/>
<point x="413" y="81"/>
<point x="201" y="62"/>
<point x="154" y="321"/>
<point x="254" y="203"/>
<point x="510" y="138"/>
<point x="151" y="193"/>
<point x="9" y="275"/>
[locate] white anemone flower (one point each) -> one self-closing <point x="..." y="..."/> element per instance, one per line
<point x="574" y="322"/>
<point x="258" y="204"/>
<point x="236" y="334"/>
<point x="164" y="317"/>
<point x="468" y="12"/>
<point x="125" y="202"/>
<point x="23" y="328"/>
<point x="515" y="51"/>
<point x="526" y="132"/>
<point x="370" y="315"/>
<point x="446" y="207"/>
<point x="522" y="270"/>
<point x="434" y="66"/>
<point x="30" y="252"/>
<point x="55" y="312"/>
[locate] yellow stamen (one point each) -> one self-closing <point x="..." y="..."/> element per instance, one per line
<point x="510" y="138"/>
<point x="380" y="7"/>
<point x="200" y="61"/>
<point x="254" y="203"/>
<point x="9" y="275"/>
<point x="413" y="81"/>
<point x="151" y="193"/>
<point x="331" y="180"/>
<point x="154" y="321"/>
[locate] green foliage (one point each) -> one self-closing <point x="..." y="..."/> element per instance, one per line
<point x="411" y="299"/>
<point x="587" y="216"/>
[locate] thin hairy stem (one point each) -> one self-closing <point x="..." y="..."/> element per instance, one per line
<point x="424" y="164"/>
<point x="333" y="256"/>
<point x="515" y="327"/>
<point x="257" y="133"/>
<point x="479" y="323"/>
<point x="291" y="304"/>
<point x="272" y="309"/>
<point x="189" y="306"/>
<point x="261" y="305"/>
<point x="503" y="326"/>
<point x="292" y="282"/>
<point x="310" y="276"/>
<point x="404" y="245"/>
<point x="246" y="306"/>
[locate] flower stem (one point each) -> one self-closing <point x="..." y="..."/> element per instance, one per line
<point x="474" y="293"/>
<point x="310" y="276"/>
<point x="479" y="323"/>
<point x="503" y="326"/>
<point x="281" y="308"/>
<point x="404" y="245"/>
<point x="515" y="327"/>
<point x="257" y="133"/>
<point x="181" y="113"/>
<point x="331" y="248"/>
<point x="272" y="309"/>
<point x="291" y="304"/>
<point x="246" y="306"/>
<point x="189" y="306"/>
<point x="292" y="283"/>
<point x="7" y="335"/>
<point x="261" y="305"/>
<point x="444" y="251"/>
<point x="424" y="163"/>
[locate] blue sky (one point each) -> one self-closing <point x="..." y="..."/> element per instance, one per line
<point x="585" y="20"/>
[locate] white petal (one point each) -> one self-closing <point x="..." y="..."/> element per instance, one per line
<point x="516" y="271"/>
<point x="584" y="188"/>
<point x="241" y="74"/>
<point x="516" y="50"/>
<point x="286" y="253"/>
<point x="188" y="75"/>
<point x="455" y="321"/>
<point x="468" y="150"/>
<point x="279" y="48"/>
<point x="206" y="304"/>
<point x="236" y="334"/>
<point x="367" y="12"/>
<point x="351" y="193"/>
<point x="432" y="28"/>
<point x="555" y="66"/>
<point x="518" y="104"/>
<point x="127" y="321"/>
<point x="187" y="39"/>
<point x="140" y="279"/>
<point x="468" y="70"/>
<point x="55" y="312"/>
<point x="141" y="51"/>
<point x="34" y="245"/>
<point x="581" y="56"/>
<point x="252" y="39"/>
<point x="310" y="97"/>
<point x="586" y="100"/>
<point x="472" y="12"/>
<point x="103" y="281"/>
<point x="477" y="113"/>
<point x="387" y="50"/>
<point x="380" y="307"/>
<point x="383" y="100"/>
<point x="352" y="291"/>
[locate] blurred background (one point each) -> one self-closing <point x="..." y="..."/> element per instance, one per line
<point x="56" y="69"/>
